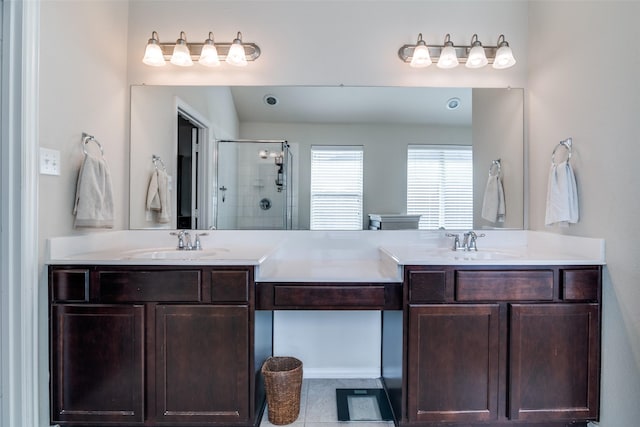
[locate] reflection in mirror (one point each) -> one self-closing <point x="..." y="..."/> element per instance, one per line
<point x="385" y="121"/>
<point x="255" y="188"/>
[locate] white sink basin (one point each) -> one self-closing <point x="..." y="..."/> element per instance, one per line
<point x="175" y="254"/>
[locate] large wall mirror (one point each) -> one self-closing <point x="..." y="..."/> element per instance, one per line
<point x="241" y="157"/>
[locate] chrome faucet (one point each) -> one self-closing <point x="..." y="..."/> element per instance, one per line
<point x="184" y="240"/>
<point x="469" y="241"/>
<point x="465" y="240"/>
<point x="187" y="241"/>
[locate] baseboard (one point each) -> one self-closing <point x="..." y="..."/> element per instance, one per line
<point x="333" y="373"/>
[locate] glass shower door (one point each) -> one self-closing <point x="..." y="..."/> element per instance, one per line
<point x="253" y="183"/>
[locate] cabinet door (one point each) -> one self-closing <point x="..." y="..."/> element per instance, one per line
<point x="97" y="368"/>
<point x="202" y="363"/>
<point x="453" y="362"/>
<point x="554" y="362"/>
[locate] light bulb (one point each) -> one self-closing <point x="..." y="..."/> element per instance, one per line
<point x="181" y="55"/>
<point x="504" y="56"/>
<point x="477" y="58"/>
<point x="421" y="57"/>
<point x="153" y="52"/>
<point x="236" y="55"/>
<point x="209" y="53"/>
<point x="448" y="57"/>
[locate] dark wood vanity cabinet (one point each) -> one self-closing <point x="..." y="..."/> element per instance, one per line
<point x="97" y="363"/>
<point x="155" y="346"/>
<point x="497" y="346"/>
<point x="201" y="363"/>
<point x="453" y="362"/>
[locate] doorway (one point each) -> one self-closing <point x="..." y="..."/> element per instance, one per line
<point x="187" y="173"/>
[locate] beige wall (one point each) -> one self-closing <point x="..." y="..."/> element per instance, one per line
<point x="83" y="88"/>
<point x="576" y="90"/>
<point x="329" y="42"/>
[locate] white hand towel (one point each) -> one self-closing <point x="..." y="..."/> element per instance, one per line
<point x="158" y="196"/>
<point x="163" y="191"/>
<point x="562" y="196"/>
<point x="493" y="205"/>
<point x="153" y="198"/>
<point x="93" y="207"/>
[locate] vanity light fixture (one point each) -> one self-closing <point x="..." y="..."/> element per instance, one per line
<point x="477" y="58"/>
<point x="420" y="57"/>
<point x="237" y="55"/>
<point x="504" y="55"/>
<point x="448" y="55"/>
<point x="181" y="55"/>
<point x="208" y="53"/>
<point x="153" y="53"/>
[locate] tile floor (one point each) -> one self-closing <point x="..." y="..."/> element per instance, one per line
<point x="318" y="404"/>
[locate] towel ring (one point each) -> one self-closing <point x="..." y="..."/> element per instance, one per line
<point x="567" y="143"/>
<point x="86" y="138"/>
<point x="495" y="166"/>
<point x="156" y="159"/>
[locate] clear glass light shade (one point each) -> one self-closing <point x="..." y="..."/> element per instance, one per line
<point x="504" y="58"/>
<point x="236" y="55"/>
<point x="477" y="58"/>
<point x="448" y="57"/>
<point x="181" y="55"/>
<point x="153" y="55"/>
<point x="421" y="57"/>
<point x="209" y="55"/>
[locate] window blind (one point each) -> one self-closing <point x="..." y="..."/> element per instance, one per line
<point x="336" y="187"/>
<point x="440" y="186"/>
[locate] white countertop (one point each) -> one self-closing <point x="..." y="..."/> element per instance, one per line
<point x="529" y="249"/>
<point x="314" y="256"/>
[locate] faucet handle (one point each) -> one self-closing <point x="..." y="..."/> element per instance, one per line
<point x="456" y="241"/>
<point x="198" y="245"/>
<point x="180" y="235"/>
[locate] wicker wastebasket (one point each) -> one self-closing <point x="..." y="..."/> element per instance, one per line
<point x="283" y="382"/>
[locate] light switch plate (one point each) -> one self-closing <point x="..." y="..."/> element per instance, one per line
<point x="49" y="161"/>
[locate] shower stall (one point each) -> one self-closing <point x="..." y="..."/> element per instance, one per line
<point x="255" y="185"/>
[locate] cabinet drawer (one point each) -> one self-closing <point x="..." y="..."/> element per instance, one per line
<point x="504" y="285"/>
<point x="328" y="295"/>
<point x="229" y="286"/>
<point x="427" y="286"/>
<point x="150" y="285"/>
<point x="580" y="284"/>
<point x="70" y="285"/>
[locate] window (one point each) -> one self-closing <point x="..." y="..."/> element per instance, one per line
<point x="336" y="187"/>
<point x="440" y="186"/>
